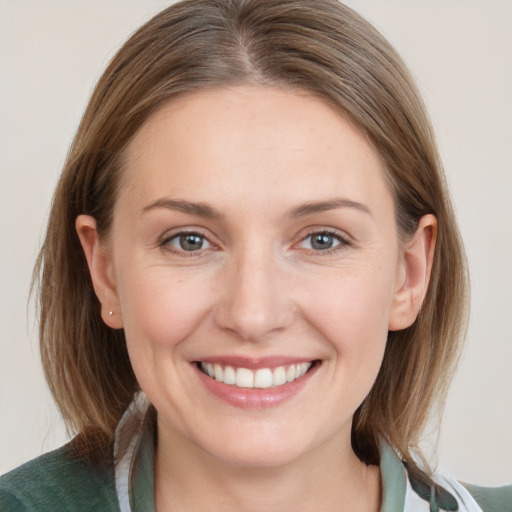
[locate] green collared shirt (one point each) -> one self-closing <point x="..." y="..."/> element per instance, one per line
<point x="60" y="482"/>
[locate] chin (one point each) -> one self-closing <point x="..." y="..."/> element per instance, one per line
<point x="258" y="456"/>
<point x="250" y="449"/>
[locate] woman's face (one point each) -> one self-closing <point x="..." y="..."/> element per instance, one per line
<point x="254" y="238"/>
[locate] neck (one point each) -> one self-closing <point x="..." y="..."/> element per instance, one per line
<point x="326" y="478"/>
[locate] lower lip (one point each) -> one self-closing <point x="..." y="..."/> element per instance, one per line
<point x="255" y="398"/>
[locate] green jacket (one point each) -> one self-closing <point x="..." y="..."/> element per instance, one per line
<point x="60" y="481"/>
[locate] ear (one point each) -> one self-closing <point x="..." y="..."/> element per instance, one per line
<point x="414" y="274"/>
<point x="101" y="270"/>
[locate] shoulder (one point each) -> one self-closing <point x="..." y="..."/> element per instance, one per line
<point x="59" y="481"/>
<point x="448" y="494"/>
<point x="472" y="498"/>
<point x="492" y="499"/>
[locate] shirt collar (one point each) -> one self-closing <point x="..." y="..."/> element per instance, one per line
<point x="134" y="449"/>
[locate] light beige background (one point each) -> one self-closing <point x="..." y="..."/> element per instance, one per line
<point x="52" y="52"/>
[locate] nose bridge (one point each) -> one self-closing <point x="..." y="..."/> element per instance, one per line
<point x="255" y="300"/>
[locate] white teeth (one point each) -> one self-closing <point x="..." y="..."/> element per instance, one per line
<point x="262" y="378"/>
<point x="304" y="367"/>
<point x="229" y="375"/>
<point x="279" y="376"/>
<point x="218" y="372"/>
<point x="244" y="378"/>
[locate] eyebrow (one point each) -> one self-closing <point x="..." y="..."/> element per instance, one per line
<point x="199" y="209"/>
<point x="303" y="210"/>
<point x="310" y="208"/>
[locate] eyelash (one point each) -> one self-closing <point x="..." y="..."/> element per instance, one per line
<point x="166" y="246"/>
<point x="165" y="243"/>
<point x="343" y="241"/>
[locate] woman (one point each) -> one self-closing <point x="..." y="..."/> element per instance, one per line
<point x="251" y="241"/>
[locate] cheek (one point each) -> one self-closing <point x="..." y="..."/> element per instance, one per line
<point x="160" y="309"/>
<point x="351" y="302"/>
<point x="351" y="311"/>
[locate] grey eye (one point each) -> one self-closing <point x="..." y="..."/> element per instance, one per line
<point x="321" y="241"/>
<point x="189" y="242"/>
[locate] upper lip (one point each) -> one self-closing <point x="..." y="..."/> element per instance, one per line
<point x="254" y="363"/>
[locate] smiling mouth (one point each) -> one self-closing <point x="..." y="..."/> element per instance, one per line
<point x="261" y="378"/>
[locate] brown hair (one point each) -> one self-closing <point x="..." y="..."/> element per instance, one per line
<point x="319" y="46"/>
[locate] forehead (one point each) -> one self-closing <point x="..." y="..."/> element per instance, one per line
<point x="235" y="139"/>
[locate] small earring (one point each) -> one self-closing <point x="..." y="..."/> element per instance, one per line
<point x="111" y="313"/>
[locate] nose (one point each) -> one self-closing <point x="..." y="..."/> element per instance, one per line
<point x="255" y="302"/>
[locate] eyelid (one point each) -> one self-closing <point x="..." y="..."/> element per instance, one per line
<point x="345" y="240"/>
<point x="164" y="239"/>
